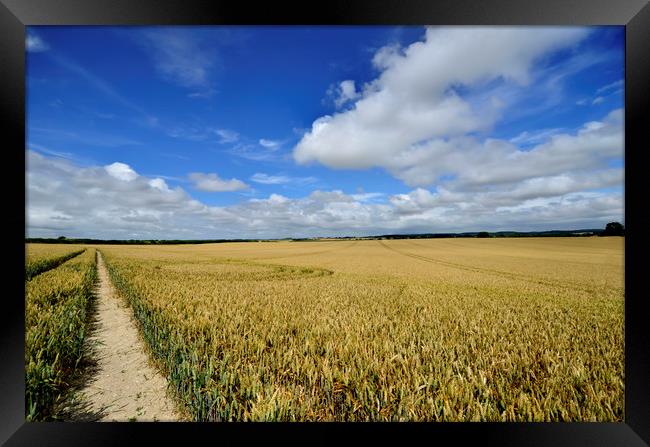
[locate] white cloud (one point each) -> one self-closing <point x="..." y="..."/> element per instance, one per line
<point x="109" y="201"/>
<point x="411" y="110"/>
<point x="66" y="199"/>
<point x="121" y="171"/>
<point x="270" y="144"/>
<point x="597" y="100"/>
<point x="343" y="93"/>
<point x="212" y="183"/>
<point x="34" y="44"/>
<point x="159" y="184"/>
<point x="496" y="162"/>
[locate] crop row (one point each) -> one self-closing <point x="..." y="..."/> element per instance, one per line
<point x="37" y="266"/>
<point x="56" y="309"/>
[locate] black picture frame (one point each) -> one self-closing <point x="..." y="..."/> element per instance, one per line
<point x="633" y="14"/>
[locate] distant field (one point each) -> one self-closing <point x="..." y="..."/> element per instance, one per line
<point x="36" y="252"/>
<point x="433" y="330"/>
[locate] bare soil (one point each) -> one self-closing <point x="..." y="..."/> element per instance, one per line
<point x="121" y="384"/>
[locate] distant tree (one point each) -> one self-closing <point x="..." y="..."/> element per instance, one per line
<point x="61" y="238"/>
<point x="483" y="234"/>
<point x="614" y="229"/>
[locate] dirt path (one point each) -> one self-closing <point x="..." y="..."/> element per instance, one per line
<point x="123" y="386"/>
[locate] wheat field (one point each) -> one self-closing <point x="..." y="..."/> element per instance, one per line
<point x="40" y="258"/>
<point x="57" y="305"/>
<point x="521" y="329"/>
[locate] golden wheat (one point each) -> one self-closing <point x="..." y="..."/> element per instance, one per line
<point x="433" y="330"/>
<point x="40" y="258"/>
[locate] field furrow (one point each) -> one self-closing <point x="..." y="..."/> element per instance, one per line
<point x="499" y="273"/>
<point x="35" y="264"/>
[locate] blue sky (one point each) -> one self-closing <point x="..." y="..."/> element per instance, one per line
<point x="211" y="132"/>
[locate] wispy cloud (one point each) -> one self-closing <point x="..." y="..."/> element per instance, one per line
<point x="227" y="136"/>
<point x="270" y="144"/>
<point x="613" y="86"/>
<point x="280" y="179"/>
<point x="89" y="138"/>
<point x="182" y="58"/>
<point x="266" y="179"/>
<point x="199" y="131"/>
<point x="45" y="150"/>
<point x="103" y="86"/>
<point x="204" y="94"/>
<point x="253" y="152"/>
<point x="603" y="92"/>
<point x="535" y="137"/>
<point x="35" y="44"/>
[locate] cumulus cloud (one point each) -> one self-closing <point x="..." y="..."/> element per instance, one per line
<point x="105" y="201"/>
<point x="212" y="183"/>
<point x="497" y="162"/>
<point x="413" y="110"/>
<point x="114" y="201"/>
<point x="159" y="184"/>
<point x="34" y="44"/>
<point x="343" y="93"/>
<point x="121" y="171"/>
<point x="412" y="122"/>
